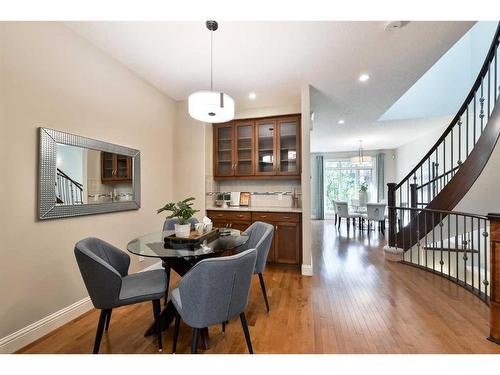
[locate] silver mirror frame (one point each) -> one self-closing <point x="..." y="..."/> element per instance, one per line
<point x="47" y="208"/>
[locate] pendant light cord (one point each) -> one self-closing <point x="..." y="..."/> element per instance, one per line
<point x="211" y="60"/>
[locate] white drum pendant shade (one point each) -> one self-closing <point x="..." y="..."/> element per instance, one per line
<point x="211" y="106"/>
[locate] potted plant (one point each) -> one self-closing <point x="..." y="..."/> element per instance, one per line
<point x="363" y="194"/>
<point x="183" y="211"/>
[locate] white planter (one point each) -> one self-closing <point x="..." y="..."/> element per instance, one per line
<point x="363" y="198"/>
<point x="182" y="230"/>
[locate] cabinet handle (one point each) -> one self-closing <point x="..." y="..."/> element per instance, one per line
<point x="230" y="225"/>
<point x="286" y="217"/>
<point x="263" y="216"/>
<point x="239" y="215"/>
<point x="276" y="228"/>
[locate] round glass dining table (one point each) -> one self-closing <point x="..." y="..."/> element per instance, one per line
<point x="153" y="245"/>
<point x="181" y="259"/>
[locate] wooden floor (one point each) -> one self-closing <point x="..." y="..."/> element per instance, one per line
<point x="356" y="302"/>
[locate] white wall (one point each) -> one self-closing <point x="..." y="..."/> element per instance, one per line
<point x="51" y="77"/>
<point x="408" y="155"/>
<point x="307" y="263"/>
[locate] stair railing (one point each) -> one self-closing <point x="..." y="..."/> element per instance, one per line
<point x="68" y="191"/>
<point x="426" y="180"/>
<point x="454" y="245"/>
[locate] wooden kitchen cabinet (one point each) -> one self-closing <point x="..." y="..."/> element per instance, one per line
<point x="259" y="148"/>
<point x="115" y="168"/>
<point x="287" y="244"/>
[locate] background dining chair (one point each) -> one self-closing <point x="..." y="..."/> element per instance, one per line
<point x="212" y="292"/>
<point x="376" y="212"/>
<point x="343" y="212"/>
<point x="169" y="224"/>
<point x="104" y="270"/>
<point x="260" y="238"/>
<point x="335" y="212"/>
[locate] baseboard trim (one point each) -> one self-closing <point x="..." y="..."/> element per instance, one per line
<point x="40" y="328"/>
<point x="307" y="270"/>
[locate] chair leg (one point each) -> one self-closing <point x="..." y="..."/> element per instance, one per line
<point x="176" y="331"/>
<point x="246" y="332"/>
<point x="340" y="219"/>
<point x="100" y="329"/>
<point x="223" y="327"/>
<point x="156" y="313"/>
<point x="167" y="271"/>
<point x="335" y="219"/>
<point x="108" y="319"/>
<point x="194" y="341"/>
<point x="382" y="229"/>
<point x="264" y="292"/>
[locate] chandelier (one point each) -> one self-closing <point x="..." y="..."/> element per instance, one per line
<point x="209" y="105"/>
<point x="361" y="158"/>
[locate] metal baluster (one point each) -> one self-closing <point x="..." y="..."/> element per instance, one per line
<point x="410" y="227"/>
<point x="489" y="70"/>
<point x="481" y="104"/>
<point x="433" y="243"/>
<point x="444" y="161"/>
<point x="479" y="255"/>
<point x="467" y="132"/>
<point x="448" y="218"/>
<point x="485" y="235"/>
<point x="429" y="180"/>
<point x="464" y="246"/>
<point x="425" y="231"/>
<point x="474" y="130"/>
<point x="441" y="262"/>
<point x="472" y="249"/>
<point x="421" y="189"/>
<point x="459" y="162"/>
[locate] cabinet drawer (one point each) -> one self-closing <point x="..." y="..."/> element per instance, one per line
<point x="276" y="217"/>
<point x="229" y="215"/>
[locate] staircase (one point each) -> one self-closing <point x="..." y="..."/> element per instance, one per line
<point x="68" y="191"/>
<point x="424" y="231"/>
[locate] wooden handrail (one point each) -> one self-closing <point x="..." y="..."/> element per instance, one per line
<point x="463" y="108"/>
<point x="78" y="185"/>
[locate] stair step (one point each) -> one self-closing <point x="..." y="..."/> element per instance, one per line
<point x="452" y="250"/>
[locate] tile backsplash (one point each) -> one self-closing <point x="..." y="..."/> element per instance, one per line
<point x="256" y="186"/>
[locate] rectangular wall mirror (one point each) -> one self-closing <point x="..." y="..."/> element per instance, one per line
<point x="84" y="176"/>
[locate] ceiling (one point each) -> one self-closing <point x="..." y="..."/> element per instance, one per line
<point x="274" y="59"/>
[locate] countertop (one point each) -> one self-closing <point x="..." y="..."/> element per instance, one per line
<point x="256" y="209"/>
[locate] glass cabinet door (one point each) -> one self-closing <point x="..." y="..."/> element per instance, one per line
<point x="224" y="165"/>
<point x="288" y="142"/>
<point x="108" y="168"/>
<point x="244" y="149"/>
<point x="123" y="167"/>
<point x="266" y="133"/>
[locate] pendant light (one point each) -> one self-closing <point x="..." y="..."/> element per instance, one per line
<point x="211" y="106"/>
<point x="361" y="158"/>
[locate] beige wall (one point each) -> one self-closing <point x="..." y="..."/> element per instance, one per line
<point x="307" y="265"/>
<point x="51" y="77"/>
<point x="189" y="158"/>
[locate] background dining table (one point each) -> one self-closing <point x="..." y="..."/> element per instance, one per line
<point x="181" y="259"/>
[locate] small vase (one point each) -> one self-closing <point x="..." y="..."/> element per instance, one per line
<point x="183" y="230"/>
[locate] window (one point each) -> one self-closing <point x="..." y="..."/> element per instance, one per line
<point x="343" y="179"/>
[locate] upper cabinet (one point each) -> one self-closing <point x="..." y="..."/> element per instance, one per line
<point x="115" y="168"/>
<point x="257" y="148"/>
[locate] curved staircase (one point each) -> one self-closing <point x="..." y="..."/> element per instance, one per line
<point x="424" y="231"/>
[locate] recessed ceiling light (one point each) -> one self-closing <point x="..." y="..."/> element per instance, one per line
<point x="364" y="77"/>
<point x="252" y="95"/>
<point x="341" y="121"/>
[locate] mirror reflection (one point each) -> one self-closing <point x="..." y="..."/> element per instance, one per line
<point x="90" y="176"/>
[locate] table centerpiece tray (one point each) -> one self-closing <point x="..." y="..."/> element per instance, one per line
<point x="192" y="242"/>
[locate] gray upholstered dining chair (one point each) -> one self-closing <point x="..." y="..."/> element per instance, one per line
<point x="104" y="270"/>
<point x="260" y="238"/>
<point x="214" y="291"/>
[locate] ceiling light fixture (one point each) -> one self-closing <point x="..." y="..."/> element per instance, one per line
<point x="364" y="77"/>
<point x="341" y="122"/>
<point x="211" y="106"/>
<point x="252" y="96"/>
<point x="361" y="158"/>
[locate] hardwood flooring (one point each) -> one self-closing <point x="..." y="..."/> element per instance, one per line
<point x="356" y="302"/>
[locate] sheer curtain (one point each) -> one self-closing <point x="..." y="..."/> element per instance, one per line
<point x="380" y="162"/>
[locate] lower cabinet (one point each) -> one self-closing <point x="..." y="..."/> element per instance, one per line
<point x="286" y="246"/>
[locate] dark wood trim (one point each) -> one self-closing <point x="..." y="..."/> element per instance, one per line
<point x="494" y="278"/>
